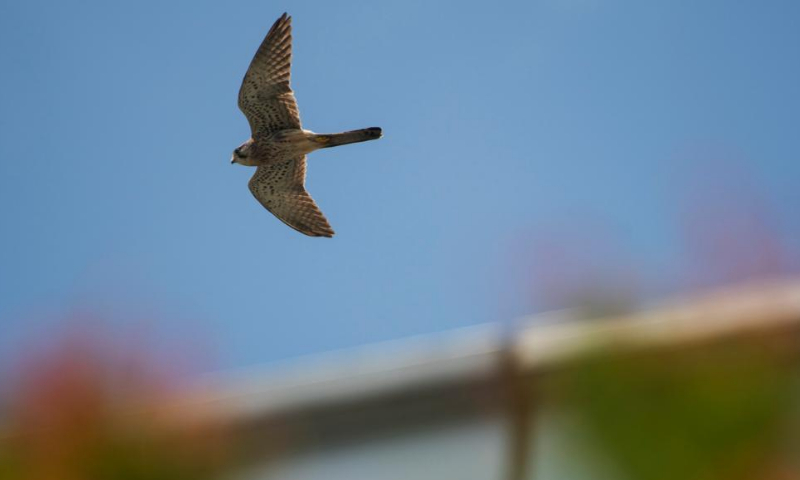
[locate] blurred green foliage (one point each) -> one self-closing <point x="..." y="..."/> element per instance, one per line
<point x="84" y="411"/>
<point x="723" y="411"/>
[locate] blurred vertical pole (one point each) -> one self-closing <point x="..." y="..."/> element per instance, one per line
<point x="519" y="406"/>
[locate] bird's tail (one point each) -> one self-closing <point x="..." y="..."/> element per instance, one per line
<point x="355" y="136"/>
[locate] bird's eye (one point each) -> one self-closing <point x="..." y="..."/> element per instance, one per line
<point x="238" y="153"/>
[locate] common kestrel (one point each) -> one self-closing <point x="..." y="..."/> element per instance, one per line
<point x="278" y="145"/>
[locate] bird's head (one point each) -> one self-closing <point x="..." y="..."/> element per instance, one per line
<point x="243" y="154"/>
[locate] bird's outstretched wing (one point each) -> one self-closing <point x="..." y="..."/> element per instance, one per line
<point x="265" y="97"/>
<point x="280" y="188"/>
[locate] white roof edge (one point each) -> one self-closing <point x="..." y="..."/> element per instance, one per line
<point x="740" y="309"/>
<point x="350" y="374"/>
<point x="475" y="352"/>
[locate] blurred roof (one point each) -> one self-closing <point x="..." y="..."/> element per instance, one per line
<point x="446" y="365"/>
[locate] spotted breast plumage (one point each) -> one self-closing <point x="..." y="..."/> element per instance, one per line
<point x="278" y="145"/>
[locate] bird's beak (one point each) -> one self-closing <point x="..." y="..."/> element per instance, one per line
<point x="233" y="160"/>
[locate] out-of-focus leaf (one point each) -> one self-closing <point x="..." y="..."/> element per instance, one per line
<point x="713" y="413"/>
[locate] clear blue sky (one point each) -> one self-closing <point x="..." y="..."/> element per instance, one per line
<point x="599" y="122"/>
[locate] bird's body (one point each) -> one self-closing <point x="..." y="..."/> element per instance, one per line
<point x="279" y="144"/>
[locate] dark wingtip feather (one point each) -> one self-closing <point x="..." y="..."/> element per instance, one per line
<point x="282" y="20"/>
<point x="325" y="231"/>
<point x="318" y="232"/>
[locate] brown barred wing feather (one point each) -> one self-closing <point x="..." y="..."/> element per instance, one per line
<point x="265" y="97"/>
<point x="280" y="188"/>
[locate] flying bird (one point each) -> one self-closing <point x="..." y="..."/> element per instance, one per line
<point x="278" y="144"/>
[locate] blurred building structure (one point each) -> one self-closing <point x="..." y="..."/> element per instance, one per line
<point x="491" y="403"/>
